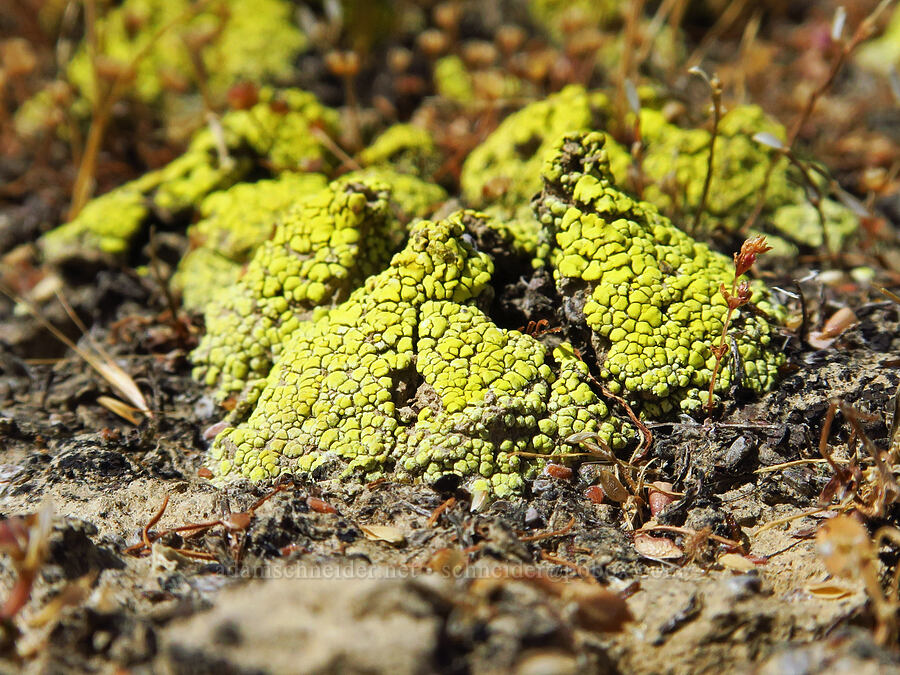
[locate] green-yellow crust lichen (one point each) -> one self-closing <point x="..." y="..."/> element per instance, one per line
<point x="679" y="157"/>
<point x="409" y="376"/>
<point x="237" y="221"/>
<point x="255" y="41"/>
<point x="42" y="113"/>
<point x="106" y="225"/>
<point x="344" y="349"/>
<point x="650" y="293"/>
<point x="277" y="131"/>
<point x="505" y="169"/>
<point x="675" y="162"/>
<point x="233" y="224"/>
<point x="802" y="223"/>
<point x="520" y="229"/>
<point x="274" y="135"/>
<point x="503" y="173"/>
<point x="411" y="197"/>
<point x="405" y="148"/>
<point x="323" y="248"/>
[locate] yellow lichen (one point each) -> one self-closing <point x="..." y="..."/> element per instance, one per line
<point x="237" y="40"/>
<point x="409" y="375"/>
<point x="404" y="148"/>
<point x="275" y="134"/>
<point x="323" y="248"/>
<point x="647" y="290"/>
<point x="234" y="223"/>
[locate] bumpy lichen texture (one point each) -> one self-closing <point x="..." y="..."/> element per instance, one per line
<point x="411" y="197"/>
<point x="253" y="41"/>
<point x="404" y="148"/>
<point x="234" y="223"/>
<point x="276" y="132"/>
<point x="323" y="248"/>
<point x="237" y="221"/>
<point x="506" y="168"/>
<point x="503" y="173"/>
<point x="676" y="160"/>
<point x="650" y="293"/>
<point x="409" y="375"/>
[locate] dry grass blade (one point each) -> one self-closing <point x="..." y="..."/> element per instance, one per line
<point x="120" y="408"/>
<point x="889" y="294"/>
<point x="787" y="519"/>
<point x="102" y="106"/>
<point x="386" y="533"/>
<point x="98" y="359"/>
<point x="121" y="381"/>
<point x="104" y="364"/>
<point x="798" y="462"/>
<point x="332" y="146"/>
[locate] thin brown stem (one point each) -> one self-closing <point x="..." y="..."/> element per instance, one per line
<point x="627" y="66"/>
<point x="862" y="33"/>
<point x="103" y="105"/>
<point x="145" y="531"/>
<point x="716" y="93"/>
<point x="719" y="353"/>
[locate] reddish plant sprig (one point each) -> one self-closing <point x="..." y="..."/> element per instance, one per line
<point x="738" y="296"/>
<point x="746" y="257"/>
<point x="25" y="540"/>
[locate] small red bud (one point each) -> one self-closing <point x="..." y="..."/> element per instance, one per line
<point x="594" y="494"/>
<point x="558" y="471"/>
<point x="750" y="250"/>
<point x="319" y="505"/>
